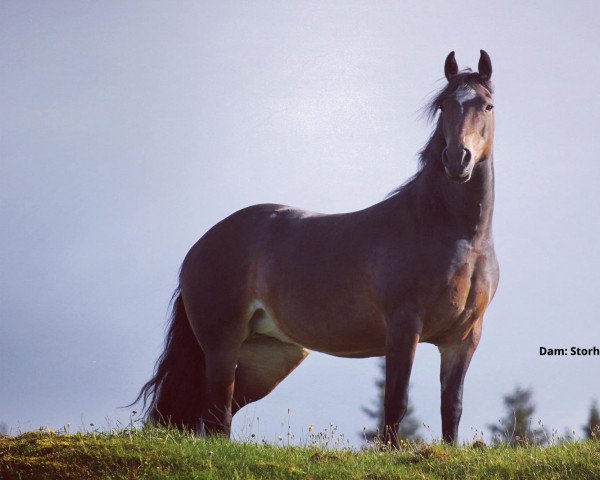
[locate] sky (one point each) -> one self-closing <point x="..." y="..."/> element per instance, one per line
<point x="129" y="128"/>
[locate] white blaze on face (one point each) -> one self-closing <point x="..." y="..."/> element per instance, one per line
<point x="464" y="95"/>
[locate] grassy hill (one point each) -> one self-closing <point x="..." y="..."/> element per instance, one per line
<point x="162" y="454"/>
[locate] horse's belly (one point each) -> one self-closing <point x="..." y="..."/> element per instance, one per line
<point x="345" y="334"/>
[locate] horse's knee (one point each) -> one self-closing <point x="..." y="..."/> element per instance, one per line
<point x="452" y="410"/>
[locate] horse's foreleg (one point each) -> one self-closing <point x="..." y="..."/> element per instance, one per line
<point x="455" y="362"/>
<point x="401" y="345"/>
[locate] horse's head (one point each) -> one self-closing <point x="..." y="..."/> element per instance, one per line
<point x="467" y="117"/>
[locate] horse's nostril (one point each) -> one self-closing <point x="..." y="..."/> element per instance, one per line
<point x="458" y="156"/>
<point x="466" y="159"/>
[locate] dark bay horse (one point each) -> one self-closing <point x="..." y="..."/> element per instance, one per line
<point x="270" y="282"/>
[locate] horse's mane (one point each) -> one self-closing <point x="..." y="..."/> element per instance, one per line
<point x="435" y="144"/>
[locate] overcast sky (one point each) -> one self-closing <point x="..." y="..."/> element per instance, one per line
<point x="130" y="128"/>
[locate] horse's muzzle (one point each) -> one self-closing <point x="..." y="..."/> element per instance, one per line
<point x="458" y="163"/>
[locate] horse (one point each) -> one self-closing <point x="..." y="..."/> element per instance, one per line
<point x="270" y="283"/>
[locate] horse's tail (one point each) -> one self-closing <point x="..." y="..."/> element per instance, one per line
<point x="174" y="393"/>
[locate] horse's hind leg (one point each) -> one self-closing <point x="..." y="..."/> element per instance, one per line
<point x="219" y="386"/>
<point x="219" y="326"/>
<point x="263" y="363"/>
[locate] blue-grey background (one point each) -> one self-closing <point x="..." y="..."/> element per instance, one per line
<point x="129" y="128"/>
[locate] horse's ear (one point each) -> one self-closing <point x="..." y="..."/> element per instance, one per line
<point x="450" y="67"/>
<point x="485" y="65"/>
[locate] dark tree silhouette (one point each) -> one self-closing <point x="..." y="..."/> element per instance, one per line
<point x="515" y="428"/>
<point x="409" y="427"/>
<point x="3" y="428"/>
<point x="592" y="427"/>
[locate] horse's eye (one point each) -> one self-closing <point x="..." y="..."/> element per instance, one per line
<point x="441" y="107"/>
<point x="489" y="107"/>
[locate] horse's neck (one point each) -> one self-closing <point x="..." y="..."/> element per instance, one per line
<point x="465" y="209"/>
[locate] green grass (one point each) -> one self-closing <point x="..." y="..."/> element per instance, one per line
<point x="162" y="454"/>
